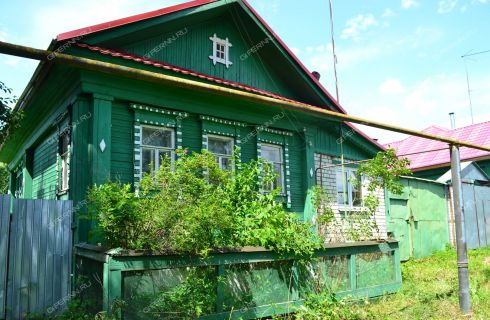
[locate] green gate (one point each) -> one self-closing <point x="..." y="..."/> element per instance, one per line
<point x="418" y="218"/>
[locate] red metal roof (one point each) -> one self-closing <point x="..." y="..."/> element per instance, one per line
<point x="131" y="19"/>
<point x="424" y="153"/>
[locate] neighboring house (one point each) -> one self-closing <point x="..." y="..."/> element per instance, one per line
<point x="84" y="127"/>
<point x="476" y="204"/>
<point x="430" y="159"/>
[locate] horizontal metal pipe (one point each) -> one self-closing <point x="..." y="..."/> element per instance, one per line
<point x="110" y="68"/>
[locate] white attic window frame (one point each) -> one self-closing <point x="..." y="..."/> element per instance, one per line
<point x="221" y="51"/>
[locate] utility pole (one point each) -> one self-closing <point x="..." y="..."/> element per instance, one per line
<point x="463" y="275"/>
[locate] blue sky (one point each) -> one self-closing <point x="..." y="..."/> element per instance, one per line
<point x="399" y="61"/>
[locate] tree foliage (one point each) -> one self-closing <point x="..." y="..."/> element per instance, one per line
<point x="9" y="120"/>
<point x="380" y="173"/>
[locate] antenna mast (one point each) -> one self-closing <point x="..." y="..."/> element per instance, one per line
<point x="333" y="52"/>
<point x="464" y="57"/>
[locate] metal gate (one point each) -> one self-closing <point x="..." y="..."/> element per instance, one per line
<point x="477" y="215"/>
<point x="418" y="218"/>
<point x="35" y="261"/>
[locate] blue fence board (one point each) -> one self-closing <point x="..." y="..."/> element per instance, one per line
<point x="476" y="215"/>
<point x="4" y="233"/>
<point x="39" y="257"/>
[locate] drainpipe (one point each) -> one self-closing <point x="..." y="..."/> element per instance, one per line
<point x="463" y="276"/>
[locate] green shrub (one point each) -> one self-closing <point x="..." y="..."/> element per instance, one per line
<point x="192" y="206"/>
<point x="327" y="306"/>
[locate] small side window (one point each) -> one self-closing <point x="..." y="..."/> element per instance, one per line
<point x="64" y="154"/>
<point x="221" y="51"/>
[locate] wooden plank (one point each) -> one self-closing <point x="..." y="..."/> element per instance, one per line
<point x="49" y="254"/>
<point x="4" y="233"/>
<point x="36" y="236"/>
<point x="26" y="256"/>
<point x="46" y="227"/>
<point x="65" y="225"/>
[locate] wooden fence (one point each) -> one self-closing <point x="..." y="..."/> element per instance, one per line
<point x="253" y="283"/>
<point x="36" y="257"/>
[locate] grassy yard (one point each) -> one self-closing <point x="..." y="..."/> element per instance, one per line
<point x="430" y="289"/>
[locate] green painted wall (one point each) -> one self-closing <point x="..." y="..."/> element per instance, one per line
<point x="122" y="142"/>
<point x="192" y="50"/>
<point x="45" y="175"/>
<point x="419" y="218"/>
<point x="485" y="166"/>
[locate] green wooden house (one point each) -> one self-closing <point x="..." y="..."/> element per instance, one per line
<point x="83" y="127"/>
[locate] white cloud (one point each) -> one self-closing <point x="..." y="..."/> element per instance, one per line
<point x="407" y="4"/>
<point x="3" y="35"/>
<point x="58" y="17"/>
<point x="421" y="37"/>
<point x="391" y="87"/>
<point x="12" y="61"/>
<point x="356" y="25"/>
<point x="421" y="104"/>
<point x="296" y="51"/>
<point x="268" y="6"/>
<point x="446" y="6"/>
<point x="388" y="13"/>
<point x="347" y="58"/>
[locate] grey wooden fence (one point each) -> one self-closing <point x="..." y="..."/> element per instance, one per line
<point x="477" y="215"/>
<point x="4" y="234"/>
<point x="39" y="257"/>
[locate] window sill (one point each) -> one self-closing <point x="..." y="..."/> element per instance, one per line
<point x="62" y="192"/>
<point x="350" y="209"/>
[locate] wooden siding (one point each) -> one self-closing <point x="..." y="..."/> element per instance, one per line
<point x="193" y="48"/>
<point x="122" y="143"/>
<point x="45" y="173"/>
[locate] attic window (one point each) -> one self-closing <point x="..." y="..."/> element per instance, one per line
<point x="221" y="49"/>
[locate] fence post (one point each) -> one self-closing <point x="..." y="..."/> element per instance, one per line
<point x="353" y="272"/>
<point x="220" y="290"/>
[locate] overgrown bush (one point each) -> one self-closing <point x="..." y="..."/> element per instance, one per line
<point x="192" y="206"/>
<point x="327" y="306"/>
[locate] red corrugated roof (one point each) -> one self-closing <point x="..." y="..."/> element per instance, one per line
<point x="424" y="153"/>
<point x="131" y="19"/>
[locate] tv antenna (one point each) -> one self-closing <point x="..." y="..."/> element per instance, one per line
<point x="465" y="57"/>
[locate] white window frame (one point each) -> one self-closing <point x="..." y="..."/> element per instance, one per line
<point x="19" y="183"/>
<point x="65" y="168"/>
<point x="282" y="165"/>
<point x="225" y="43"/>
<point x="156" y="160"/>
<point x="219" y="157"/>
<point x="349" y="188"/>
